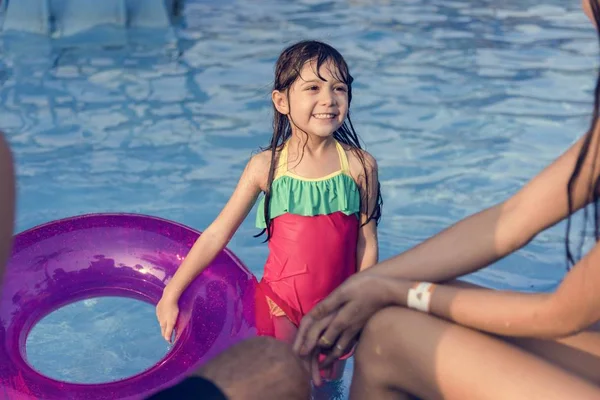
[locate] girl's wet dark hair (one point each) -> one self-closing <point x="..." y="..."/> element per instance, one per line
<point x="287" y="71"/>
<point x="594" y="186"/>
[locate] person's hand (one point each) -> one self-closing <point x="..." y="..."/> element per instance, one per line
<point x="311" y="360"/>
<point x="332" y="326"/>
<point x="167" y="311"/>
<point x="311" y="363"/>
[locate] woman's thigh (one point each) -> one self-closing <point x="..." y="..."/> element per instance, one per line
<point x="407" y="351"/>
<point x="579" y="353"/>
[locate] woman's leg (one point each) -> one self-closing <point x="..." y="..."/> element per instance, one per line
<point x="403" y="351"/>
<point x="579" y="354"/>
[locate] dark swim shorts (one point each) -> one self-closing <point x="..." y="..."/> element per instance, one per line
<point x="194" y="387"/>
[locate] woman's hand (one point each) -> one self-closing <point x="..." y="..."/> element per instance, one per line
<point x="332" y="325"/>
<point x="167" y="311"/>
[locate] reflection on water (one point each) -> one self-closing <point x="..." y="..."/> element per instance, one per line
<point x="96" y="340"/>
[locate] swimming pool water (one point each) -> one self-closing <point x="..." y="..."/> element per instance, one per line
<point x="461" y="102"/>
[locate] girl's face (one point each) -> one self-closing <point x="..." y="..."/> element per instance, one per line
<point x="314" y="105"/>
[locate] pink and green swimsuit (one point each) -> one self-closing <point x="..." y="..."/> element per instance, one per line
<point x="312" y="249"/>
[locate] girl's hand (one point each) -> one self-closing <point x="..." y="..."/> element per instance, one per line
<point x="167" y="311"/>
<point x="332" y="325"/>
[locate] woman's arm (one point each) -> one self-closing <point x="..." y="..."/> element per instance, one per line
<point x="218" y="234"/>
<point x="487" y="236"/>
<point x="571" y="308"/>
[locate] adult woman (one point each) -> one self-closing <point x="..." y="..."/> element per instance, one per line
<point x="447" y="340"/>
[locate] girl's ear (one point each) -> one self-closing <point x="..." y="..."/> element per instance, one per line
<point x="280" y="102"/>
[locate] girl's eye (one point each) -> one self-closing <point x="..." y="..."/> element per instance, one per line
<point x="341" y="89"/>
<point x="312" y="88"/>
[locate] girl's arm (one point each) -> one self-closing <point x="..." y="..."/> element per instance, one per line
<point x="218" y="234"/>
<point x="367" y="247"/>
<point x="487" y="236"/>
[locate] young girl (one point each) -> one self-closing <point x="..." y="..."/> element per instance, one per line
<point x="322" y="198"/>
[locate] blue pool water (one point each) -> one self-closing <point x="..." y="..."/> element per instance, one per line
<point x="460" y="101"/>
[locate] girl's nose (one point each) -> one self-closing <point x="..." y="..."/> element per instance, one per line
<point x="328" y="98"/>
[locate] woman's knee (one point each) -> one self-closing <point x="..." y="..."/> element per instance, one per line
<point x="385" y="324"/>
<point x="390" y="354"/>
<point x="383" y="334"/>
<point x="398" y="334"/>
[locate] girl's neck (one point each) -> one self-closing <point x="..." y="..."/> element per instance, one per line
<point x="311" y="143"/>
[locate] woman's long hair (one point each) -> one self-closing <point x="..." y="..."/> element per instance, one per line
<point x="593" y="186"/>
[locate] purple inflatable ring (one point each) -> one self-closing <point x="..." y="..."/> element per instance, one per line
<point x="124" y="255"/>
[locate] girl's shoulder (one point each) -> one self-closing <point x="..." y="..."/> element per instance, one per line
<point x="360" y="161"/>
<point x="260" y="163"/>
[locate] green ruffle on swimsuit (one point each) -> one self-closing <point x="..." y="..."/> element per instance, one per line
<point x="309" y="197"/>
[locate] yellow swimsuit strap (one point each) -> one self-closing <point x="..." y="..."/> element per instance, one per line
<point x="282" y="164"/>
<point x="281" y="168"/>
